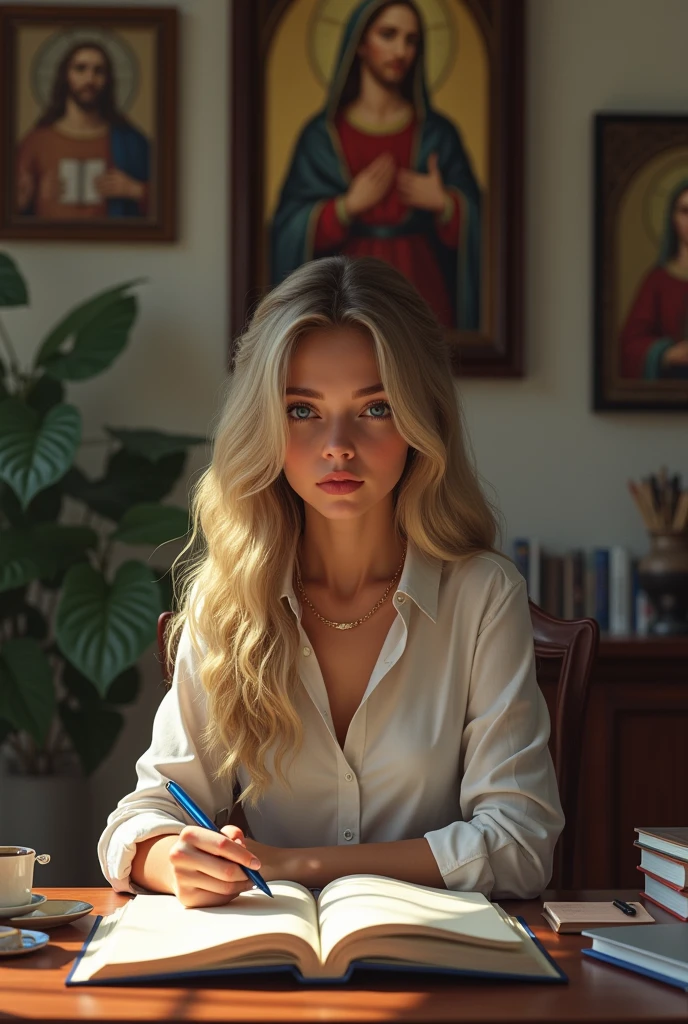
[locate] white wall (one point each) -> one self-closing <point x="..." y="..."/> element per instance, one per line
<point x="558" y="470"/>
<point x="169" y="376"/>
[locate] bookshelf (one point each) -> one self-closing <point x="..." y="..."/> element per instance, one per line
<point x="634" y="761"/>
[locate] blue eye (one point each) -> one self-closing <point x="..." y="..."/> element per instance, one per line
<point x="385" y="406"/>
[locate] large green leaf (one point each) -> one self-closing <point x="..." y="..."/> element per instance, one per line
<point x="13" y="290"/>
<point x="4" y="390"/>
<point x="35" y="453"/>
<point x="41" y="551"/>
<point x="153" y="444"/>
<point x="97" y="344"/>
<point x="44" y="508"/>
<point x="128" y="480"/>
<point x="44" y="394"/>
<point x="152" y="524"/>
<point x="79" y="317"/>
<point x="27" y="692"/>
<point x="93" y="730"/>
<point x="122" y="690"/>
<point x="104" y="628"/>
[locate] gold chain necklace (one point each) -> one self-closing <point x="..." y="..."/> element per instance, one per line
<point x="349" y="625"/>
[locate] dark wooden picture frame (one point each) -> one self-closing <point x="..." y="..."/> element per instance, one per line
<point x="147" y="164"/>
<point x="497" y="349"/>
<point x="640" y="295"/>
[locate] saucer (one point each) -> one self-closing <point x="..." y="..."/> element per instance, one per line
<point x="53" y="913"/>
<point x="25" y="908"/>
<point x="30" y="941"/>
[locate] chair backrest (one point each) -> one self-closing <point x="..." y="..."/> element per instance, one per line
<point x="575" y="643"/>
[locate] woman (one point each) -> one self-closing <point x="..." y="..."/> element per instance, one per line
<point x="356" y="657"/>
<point x="378" y="172"/>
<point x="654" y="340"/>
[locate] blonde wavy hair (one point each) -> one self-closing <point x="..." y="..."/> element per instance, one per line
<point x="247" y="520"/>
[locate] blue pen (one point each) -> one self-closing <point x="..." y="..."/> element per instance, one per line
<point x="195" y="812"/>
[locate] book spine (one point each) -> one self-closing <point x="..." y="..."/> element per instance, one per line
<point x="590" y="584"/>
<point x="521" y="554"/>
<point x="619" y="591"/>
<point x="601" y="563"/>
<point x="578" y="584"/>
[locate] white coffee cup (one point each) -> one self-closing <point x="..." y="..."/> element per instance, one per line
<point x="16" y="874"/>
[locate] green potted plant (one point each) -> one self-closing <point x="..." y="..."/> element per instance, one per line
<point x="73" y="624"/>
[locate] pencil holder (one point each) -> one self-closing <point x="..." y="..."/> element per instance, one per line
<point x="663" y="575"/>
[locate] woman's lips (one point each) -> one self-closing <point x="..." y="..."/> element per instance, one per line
<point x="341" y="486"/>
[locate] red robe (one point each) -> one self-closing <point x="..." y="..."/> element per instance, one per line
<point x="660" y="310"/>
<point x="412" y="254"/>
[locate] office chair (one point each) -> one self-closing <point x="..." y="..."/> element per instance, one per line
<point x="575" y="643"/>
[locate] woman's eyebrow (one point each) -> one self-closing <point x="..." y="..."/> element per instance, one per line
<point x="373" y="389"/>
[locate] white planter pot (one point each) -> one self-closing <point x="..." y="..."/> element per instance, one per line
<point x="51" y="814"/>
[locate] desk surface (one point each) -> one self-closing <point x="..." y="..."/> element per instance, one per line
<point x="32" y="987"/>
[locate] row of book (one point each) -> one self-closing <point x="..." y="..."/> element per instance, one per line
<point x="664" y="863"/>
<point x="658" y="951"/>
<point x="599" y="583"/>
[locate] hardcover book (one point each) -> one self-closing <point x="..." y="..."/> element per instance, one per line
<point x="359" y="920"/>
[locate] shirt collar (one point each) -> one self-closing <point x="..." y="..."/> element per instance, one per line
<point x="420" y="580"/>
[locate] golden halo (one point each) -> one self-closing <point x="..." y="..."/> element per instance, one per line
<point x="48" y="57"/>
<point x="658" y="193"/>
<point x="330" y="19"/>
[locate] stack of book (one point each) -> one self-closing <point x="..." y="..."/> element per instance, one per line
<point x="601" y="583"/>
<point x="664" y="862"/>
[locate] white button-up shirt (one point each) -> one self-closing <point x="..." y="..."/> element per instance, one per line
<point x="449" y="742"/>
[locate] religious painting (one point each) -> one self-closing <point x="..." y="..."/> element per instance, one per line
<point x="88" y="139"/>
<point x="641" y="262"/>
<point x="384" y="130"/>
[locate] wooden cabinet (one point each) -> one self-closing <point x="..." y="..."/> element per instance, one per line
<point x="634" y="760"/>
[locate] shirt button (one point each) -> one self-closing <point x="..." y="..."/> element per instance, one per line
<point x="306" y="651"/>
<point x="400" y="598"/>
<point x="347" y="833"/>
<point x="348" y="776"/>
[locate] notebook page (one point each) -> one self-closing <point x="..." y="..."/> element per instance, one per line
<point x="159" y="934"/>
<point x="357" y="902"/>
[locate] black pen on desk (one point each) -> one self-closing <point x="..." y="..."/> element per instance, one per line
<point x="195" y="812"/>
<point x="626" y="907"/>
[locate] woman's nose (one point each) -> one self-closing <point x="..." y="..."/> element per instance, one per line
<point x="339" y="443"/>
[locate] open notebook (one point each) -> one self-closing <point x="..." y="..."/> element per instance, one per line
<point x="381" y="921"/>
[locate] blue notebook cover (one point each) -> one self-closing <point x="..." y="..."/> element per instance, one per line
<point x="293" y="972"/>
<point x="605" y="958"/>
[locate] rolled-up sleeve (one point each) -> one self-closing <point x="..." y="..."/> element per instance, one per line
<point x="510" y="806"/>
<point x="175" y="753"/>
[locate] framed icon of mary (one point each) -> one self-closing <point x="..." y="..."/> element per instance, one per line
<point x="370" y="127"/>
<point x="641" y="262"/>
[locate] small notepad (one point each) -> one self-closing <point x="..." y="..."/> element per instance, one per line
<point x="574" y="917"/>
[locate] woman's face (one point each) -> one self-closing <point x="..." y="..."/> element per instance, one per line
<point x="390" y="44"/>
<point x="335" y="427"/>
<point x="681" y="217"/>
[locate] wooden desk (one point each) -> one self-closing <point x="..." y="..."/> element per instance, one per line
<point x="32" y="987"/>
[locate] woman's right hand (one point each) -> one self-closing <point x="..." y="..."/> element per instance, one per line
<point x="205" y="866"/>
<point x="370" y="185"/>
<point x="676" y="355"/>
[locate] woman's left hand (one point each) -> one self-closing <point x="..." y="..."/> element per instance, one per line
<point x="423" y="191"/>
